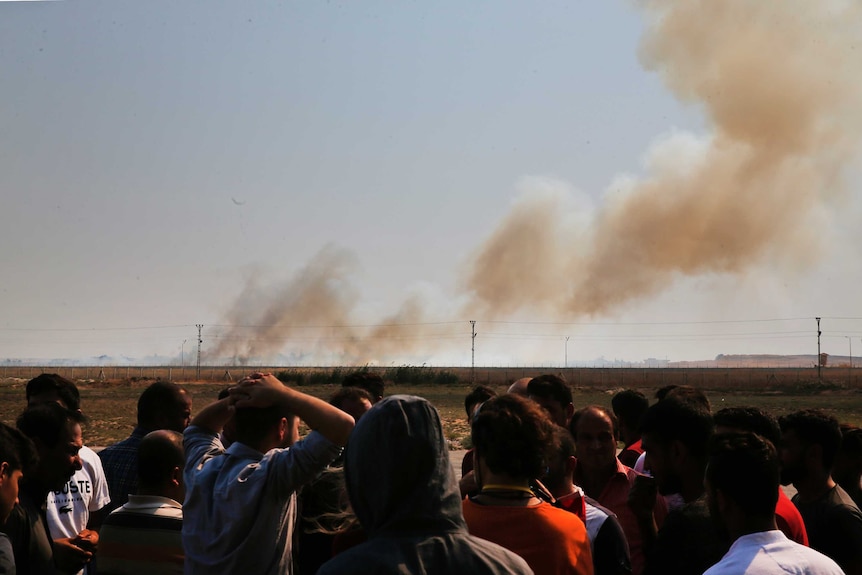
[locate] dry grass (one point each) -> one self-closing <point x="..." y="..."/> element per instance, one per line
<point x="110" y="406"/>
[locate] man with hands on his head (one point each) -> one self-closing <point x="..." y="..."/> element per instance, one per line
<point x="240" y="509"/>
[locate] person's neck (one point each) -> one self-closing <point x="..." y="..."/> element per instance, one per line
<point x="814" y="485"/>
<point x="752" y="524"/>
<point x="692" y="483"/>
<point x="593" y="479"/>
<point x="563" y="489"/>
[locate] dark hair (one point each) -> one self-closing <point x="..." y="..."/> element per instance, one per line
<point x="47" y="422"/>
<point x="689" y="394"/>
<point x="674" y="419"/>
<point x="662" y="392"/>
<point x="550" y="386"/>
<point x="513" y="434"/>
<point x="744" y="466"/>
<point x="17" y="449"/>
<point x="817" y="427"/>
<point x="629" y="406"/>
<point x="253" y="424"/>
<point x="477" y="395"/>
<point x="160" y="397"/>
<point x="158" y="454"/>
<point x="564" y="448"/>
<point x="573" y="424"/>
<point x="224" y="393"/>
<point x="346" y="393"/>
<point x="752" y="419"/>
<point x="370" y="382"/>
<point x="851" y="440"/>
<point x="65" y="389"/>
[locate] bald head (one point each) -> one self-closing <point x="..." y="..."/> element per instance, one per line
<point x="161" y="460"/>
<point x="520" y="387"/>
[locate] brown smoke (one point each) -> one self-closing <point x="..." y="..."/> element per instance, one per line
<point x="779" y="84"/>
<point x="313" y="312"/>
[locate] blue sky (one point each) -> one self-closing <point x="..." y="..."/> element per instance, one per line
<point x="157" y="157"/>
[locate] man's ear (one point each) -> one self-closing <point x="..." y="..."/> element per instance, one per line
<point x="678" y="452"/>
<point x="176" y="476"/>
<point x="282" y="429"/>
<point x="571" y="463"/>
<point x="570" y="411"/>
<point x="5" y="472"/>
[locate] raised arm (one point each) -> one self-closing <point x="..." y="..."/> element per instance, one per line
<point x="262" y="390"/>
<point x="213" y="417"/>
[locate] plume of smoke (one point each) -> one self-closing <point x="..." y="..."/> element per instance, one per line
<point x="779" y="85"/>
<point x="263" y="320"/>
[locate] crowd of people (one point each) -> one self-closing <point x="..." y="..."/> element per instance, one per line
<point x="635" y="487"/>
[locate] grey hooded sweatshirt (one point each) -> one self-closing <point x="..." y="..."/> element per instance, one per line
<point x="404" y="493"/>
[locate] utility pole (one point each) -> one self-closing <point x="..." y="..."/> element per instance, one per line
<point x="567" y="351"/>
<point x="200" y="341"/>
<point x="473" y="352"/>
<point x="818" y="349"/>
<point x="850" y="369"/>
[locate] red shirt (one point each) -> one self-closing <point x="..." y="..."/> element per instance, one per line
<point x="630" y="454"/>
<point x="615" y="496"/>
<point x="789" y="520"/>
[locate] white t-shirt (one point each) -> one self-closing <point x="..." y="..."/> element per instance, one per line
<point x="769" y="552"/>
<point x="69" y="509"/>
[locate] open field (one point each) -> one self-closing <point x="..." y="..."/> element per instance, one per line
<point x="110" y="405"/>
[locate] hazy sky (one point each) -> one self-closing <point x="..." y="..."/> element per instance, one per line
<point x="166" y="164"/>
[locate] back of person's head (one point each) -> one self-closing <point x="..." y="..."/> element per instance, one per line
<point x="47" y="423"/>
<point x="662" y="392"/>
<point x="16" y="450"/>
<point x="745" y="467"/>
<point x="519" y="386"/>
<point x="477" y="395"/>
<point x="550" y="386"/>
<point x="163" y="405"/>
<point x="254" y="425"/>
<point x="815" y="427"/>
<point x="512" y="435"/>
<point x="689" y="394"/>
<point x="353" y="400"/>
<point x="558" y="472"/>
<point x="851" y="441"/>
<point x="160" y="454"/>
<point x="599" y="410"/>
<point x="56" y="387"/>
<point x="675" y="419"/>
<point x="397" y="469"/>
<point x="629" y="406"/>
<point x="751" y="419"/>
<point x="370" y="382"/>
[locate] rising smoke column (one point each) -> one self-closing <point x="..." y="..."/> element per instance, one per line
<point x="780" y="87"/>
<point x="318" y="298"/>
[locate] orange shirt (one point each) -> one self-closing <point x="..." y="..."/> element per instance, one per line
<point x="551" y="540"/>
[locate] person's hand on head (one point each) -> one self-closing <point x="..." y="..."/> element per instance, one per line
<point x="257" y="390"/>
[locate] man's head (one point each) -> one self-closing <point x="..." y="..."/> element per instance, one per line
<point x="512" y="436"/>
<point x="164" y="405"/>
<point x="748" y="419"/>
<point x="56" y="433"/>
<point x="741" y="480"/>
<point x="17" y="457"/>
<point x="265" y="428"/>
<point x="370" y="382"/>
<point x="847" y="468"/>
<point x="675" y="437"/>
<point x="519" y="386"/>
<point x="53" y="388"/>
<point x="161" y="460"/>
<point x="561" y="463"/>
<point x="594" y="429"/>
<point x="352" y="400"/>
<point x="477" y="396"/>
<point x="810" y="440"/>
<point x="629" y="406"/>
<point x="553" y="394"/>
